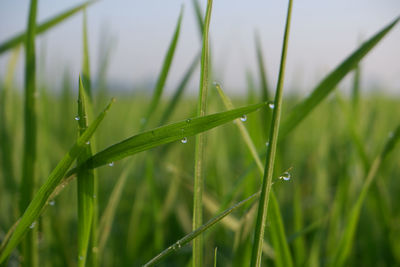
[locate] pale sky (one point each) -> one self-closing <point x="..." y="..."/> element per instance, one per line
<point x="323" y="33"/>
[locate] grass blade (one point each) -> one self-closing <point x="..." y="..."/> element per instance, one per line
<point x="40" y="199"/>
<point x="261" y="69"/>
<point x="28" y="180"/>
<point x="280" y="244"/>
<point x="85" y="182"/>
<point x="163" y="135"/>
<point x="344" y="248"/>
<point x="164" y="72"/>
<point x="200" y="142"/>
<point x="43" y="27"/>
<point x="179" y="91"/>
<point x="198" y="231"/>
<point x="328" y="84"/>
<point x="271" y="150"/>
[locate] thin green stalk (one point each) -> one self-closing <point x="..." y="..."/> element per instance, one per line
<point x="198" y="231"/>
<point x="85" y="182"/>
<point x="271" y="151"/>
<point x="200" y="144"/>
<point x="28" y="181"/>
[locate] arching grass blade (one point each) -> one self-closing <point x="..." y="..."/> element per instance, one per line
<point x="163" y="135"/>
<point x="40" y="199"/>
<point x="43" y="27"/>
<point x="328" y="84"/>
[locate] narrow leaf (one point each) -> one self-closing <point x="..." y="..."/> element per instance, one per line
<point x="328" y="84"/>
<point x="40" y="199"/>
<point x="189" y="237"/>
<point x="43" y="27"/>
<point x="163" y="135"/>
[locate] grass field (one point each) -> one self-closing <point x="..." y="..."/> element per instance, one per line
<point x="268" y="178"/>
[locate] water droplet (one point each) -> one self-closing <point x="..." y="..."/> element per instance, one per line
<point x="81" y="258"/>
<point x="179" y="244"/>
<point x="243" y="118"/>
<point x="88" y="142"/>
<point x="267" y="144"/>
<point x="271" y="105"/>
<point x="77" y="118"/>
<point x="32" y="225"/>
<point x="143" y="120"/>
<point x="216" y="84"/>
<point x="285" y="176"/>
<point x="184" y="140"/>
<point x="52" y="202"/>
<point x="391" y="134"/>
<point x="188" y="120"/>
<point x="111" y="164"/>
<point x="94" y="196"/>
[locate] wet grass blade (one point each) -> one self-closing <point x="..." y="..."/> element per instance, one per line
<point x="179" y="91"/>
<point x="198" y="231"/>
<point x="85" y="182"/>
<point x="163" y="135"/>
<point x="43" y="27"/>
<point x="280" y="244"/>
<point x="28" y="180"/>
<point x="164" y="73"/>
<point x="271" y="151"/>
<point x="199" y="152"/>
<point x="329" y="83"/>
<point x="40" y="199"/>
<point x="344" y="247"/>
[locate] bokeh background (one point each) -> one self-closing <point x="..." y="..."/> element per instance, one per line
<point x="138" y="34"/>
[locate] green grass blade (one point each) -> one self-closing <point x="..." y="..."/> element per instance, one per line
<point x="328" y="84"/>
<point x="271" y="150"/>
<point x="199" y="16"/>
<point x="43" y="27"/>
<point x="198" y="231"/>
<point x="344" y="247"/>
<point x="28" y="180"/>
<point x="163" y="135"/>
<point x="179" y="91"/>
<point x="40" y="199"/>
<point x="280" y="244"/>
<point x="164" y="72"/>
<point x="199" y="152"/>
<point x="86" y="63"/>
<point x="85" y="182"/>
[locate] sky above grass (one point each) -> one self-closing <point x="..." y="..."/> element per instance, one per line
<point x="322" y="35"/>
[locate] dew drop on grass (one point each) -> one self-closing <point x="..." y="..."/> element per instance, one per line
<point x="184" y="140"/>
<point x="32" y="225"/>
<point x="216" y="84"/>
<point x="111" y="164"/>
<point x="143" y="121"/>
<point x="88" y="142"/>
<point x="267" y="144"/>
<point x="77" y="118"/>
<point x="285" y="176"/>
<point x="243" y="118"/>
<point x="391" y="134"/>
<point x="52" y="202"/>
<point x="94" y="196"/>
<point x="271" y="105"/>
<point x="80" y="258"/>
<point x="188" y="120"/>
